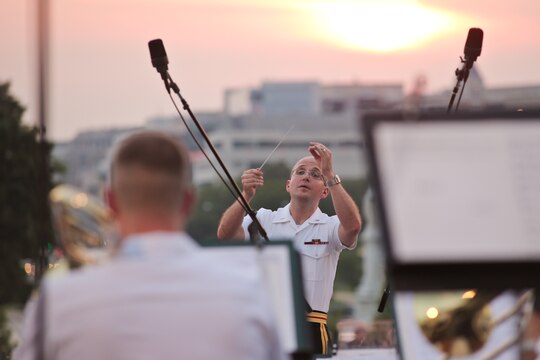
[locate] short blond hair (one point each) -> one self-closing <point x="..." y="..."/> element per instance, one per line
<point x="150" y="170"/>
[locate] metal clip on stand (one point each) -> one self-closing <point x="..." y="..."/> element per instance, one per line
<point x="462" y="75"/>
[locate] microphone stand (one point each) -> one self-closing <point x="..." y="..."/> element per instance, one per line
<point x="42" y="155"/>
<point x="257" y="228"/>
<point x="462" y="75"/>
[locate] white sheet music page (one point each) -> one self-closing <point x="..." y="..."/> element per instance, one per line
<point x="461" y="191"/>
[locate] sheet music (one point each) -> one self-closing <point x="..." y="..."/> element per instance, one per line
<point x="461" y="191"/>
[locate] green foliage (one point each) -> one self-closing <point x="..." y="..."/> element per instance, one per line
<point x="356" y="188"/>
<point x="20" y="205"/>
<point x="273" y="195"/>
<point x="214" y="199"/>
<point x="338" y="310"/>
<point x="349" y="269"/>
<point x="6" y="345"/>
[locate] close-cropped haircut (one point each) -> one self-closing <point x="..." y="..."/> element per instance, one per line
<point x="150" y="170"/>
<point x="296" y="166"/>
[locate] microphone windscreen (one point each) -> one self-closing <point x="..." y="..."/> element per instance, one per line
<point x="158" y="54"/>
<point x="473" y="45"/>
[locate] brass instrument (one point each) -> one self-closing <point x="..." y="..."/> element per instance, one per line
<point x="459" y="323"/>
<point x="82" y="223"/>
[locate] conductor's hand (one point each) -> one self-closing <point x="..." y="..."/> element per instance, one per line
<point x="323" y="156"/>
<point x="251" y="180"/>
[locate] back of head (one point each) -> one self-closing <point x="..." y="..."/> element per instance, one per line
<point x="150" y="171"/>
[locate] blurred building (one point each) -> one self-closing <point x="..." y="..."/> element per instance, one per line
<point x="477" y="96"/>
<point x="311" y="98"/>
<point x="254" y="121"/>
<point x="250" y="147"/>
<point x="82" y="157"/>
<point x="87" y="156"/>
<point x="258" y="118"/>
<point x="247" y="130"/>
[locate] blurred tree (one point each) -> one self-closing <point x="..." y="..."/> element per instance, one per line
<point x="214" y="199"/>
<point x="19" y="199"/>
<point x="349" y="269"/>
<point x="6" y="343"/>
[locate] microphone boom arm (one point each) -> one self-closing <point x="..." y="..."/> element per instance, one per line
<point x="252" y="214"/>
<point x="462" y="75"/>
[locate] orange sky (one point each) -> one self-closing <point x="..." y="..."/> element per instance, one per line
<point x="101" y="74"/>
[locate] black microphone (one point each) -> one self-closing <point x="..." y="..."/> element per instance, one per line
<point x="473" y="46"/>
<point x="159" y="58"/>
<point x="472" y="50"/>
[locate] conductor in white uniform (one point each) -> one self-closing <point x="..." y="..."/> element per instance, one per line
<point x="318" y="237"/>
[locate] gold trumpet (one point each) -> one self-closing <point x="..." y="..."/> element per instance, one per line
<point x="460" y="323"/>
<point x="83" y="225"/>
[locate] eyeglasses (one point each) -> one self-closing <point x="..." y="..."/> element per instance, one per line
<point x="314" y="174"/>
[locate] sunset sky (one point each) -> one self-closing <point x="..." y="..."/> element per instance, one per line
<point x="101" y="76"/>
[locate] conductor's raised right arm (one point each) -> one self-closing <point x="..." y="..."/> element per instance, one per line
<point x="230" y="225"/>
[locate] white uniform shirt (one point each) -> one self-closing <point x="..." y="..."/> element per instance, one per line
<point x="162" y="297"/>
<point x="318" y="243"/>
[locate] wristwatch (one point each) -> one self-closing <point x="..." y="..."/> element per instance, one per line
<point x="334" y="181"/>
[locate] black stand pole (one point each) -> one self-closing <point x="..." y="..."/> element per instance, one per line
<point x="42" y="260"/>
<point x="257" y="225"/>
<point x="462" y="75"/>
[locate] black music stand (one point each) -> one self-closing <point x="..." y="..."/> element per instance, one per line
<point x="282" y="270"/>
<point x="458" y="198"/>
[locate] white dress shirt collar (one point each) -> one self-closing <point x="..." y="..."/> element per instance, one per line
<point x="283" y="215"/>
<point x="157" y="244"/>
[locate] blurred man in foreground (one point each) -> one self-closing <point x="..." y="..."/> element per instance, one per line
<point x="160" y="296"/>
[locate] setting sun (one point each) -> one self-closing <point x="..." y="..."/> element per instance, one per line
<point x="378" y="26"/>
